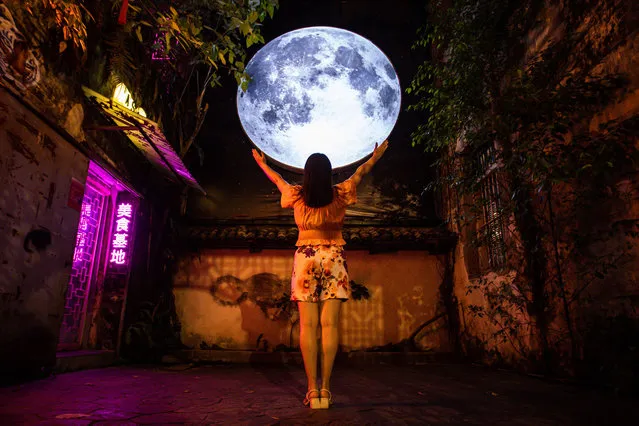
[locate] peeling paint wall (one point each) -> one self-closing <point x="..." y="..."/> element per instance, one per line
<point x="608" y="296"/>
<point x="37" y="236"/>
<point x="226" y="298"/>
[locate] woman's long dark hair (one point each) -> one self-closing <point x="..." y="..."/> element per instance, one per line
<point x="318" y="181"/>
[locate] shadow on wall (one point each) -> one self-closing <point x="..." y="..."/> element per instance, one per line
<point x="33" y="337"/>
<point x="229" y="299"/>
<point x="30" y="354"/>
<point x="263" y="296"/>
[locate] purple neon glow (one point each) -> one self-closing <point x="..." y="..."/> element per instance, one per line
<point x="119" y="254"/>
<point x="81" y="239"/>
<point x="124" y="117"/>
<point x="84" y="263"/>
<point x="159" y="52"/>
<point x="167" y="151"/>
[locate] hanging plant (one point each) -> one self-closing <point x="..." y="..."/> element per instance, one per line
<point x="168" y="53"/>
<point x="67" y="18"/>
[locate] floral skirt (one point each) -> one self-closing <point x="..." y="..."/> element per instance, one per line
<point x="320" y="273"/>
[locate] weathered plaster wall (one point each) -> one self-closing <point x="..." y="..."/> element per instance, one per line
<point x="225" y="298"/>
<point x="36" y="168"/>
<point x="613" y="293"/>
<point x="479" y="333"/>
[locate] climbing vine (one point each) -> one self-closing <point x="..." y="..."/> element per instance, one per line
<point x="514" y="90"/>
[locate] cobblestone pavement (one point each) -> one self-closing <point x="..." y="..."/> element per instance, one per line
<point x="434" y="394"/>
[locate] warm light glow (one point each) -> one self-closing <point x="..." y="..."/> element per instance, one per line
<point x="319" y="89"/>
<point x="123" y="96"/>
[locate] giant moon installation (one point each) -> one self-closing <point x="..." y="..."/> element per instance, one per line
<point x="319" y="89"/>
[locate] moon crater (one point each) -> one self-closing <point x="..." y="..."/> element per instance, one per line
<point x="319" y="89"/>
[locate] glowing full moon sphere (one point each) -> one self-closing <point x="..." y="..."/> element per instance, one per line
<point x="319" y="89"/>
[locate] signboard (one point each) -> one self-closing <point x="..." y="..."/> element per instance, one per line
<point x="122" y="233"/>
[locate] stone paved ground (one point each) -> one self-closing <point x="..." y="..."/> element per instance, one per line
<point x="433" y="394"/>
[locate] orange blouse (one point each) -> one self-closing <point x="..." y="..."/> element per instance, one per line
<point x="320" y="225"/>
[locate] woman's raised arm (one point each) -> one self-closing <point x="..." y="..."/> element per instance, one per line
<point x="275" y="177"/>
<point x="367" y="166"/>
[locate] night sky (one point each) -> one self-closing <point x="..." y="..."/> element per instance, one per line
<point x="237" y="191"/>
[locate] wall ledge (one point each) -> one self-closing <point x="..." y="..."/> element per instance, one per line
<point x="376" y="239"/>
<point x="354" y="358"/>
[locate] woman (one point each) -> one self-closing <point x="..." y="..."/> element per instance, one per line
<point x="320" y="278"/>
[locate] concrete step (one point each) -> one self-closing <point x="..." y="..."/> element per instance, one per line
<point x="83" y="359"/>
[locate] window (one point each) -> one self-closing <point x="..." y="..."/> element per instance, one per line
<point x="492" y="233"/>
<point x="486" y="249"/>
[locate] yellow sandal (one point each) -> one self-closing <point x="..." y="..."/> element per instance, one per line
<point x="326" y="402"/>
<point x="312" y="401"/>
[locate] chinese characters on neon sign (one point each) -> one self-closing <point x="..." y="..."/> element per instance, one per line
<point x="81" y="237"/>
<point x="120" y="241"/>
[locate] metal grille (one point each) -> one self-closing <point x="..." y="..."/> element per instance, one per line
<point x="493" y="229"/>
<point x="486" y="158"/>
<point x="83" y="264"/>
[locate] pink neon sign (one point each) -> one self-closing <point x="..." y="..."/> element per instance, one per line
<point x="120" y="240"/>
<point x="81" y="236"/>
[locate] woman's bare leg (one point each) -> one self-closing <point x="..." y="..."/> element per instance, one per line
<point x="309" y="314"/>
<point x="329" y="319"/>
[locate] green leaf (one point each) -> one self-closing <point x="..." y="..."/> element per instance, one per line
<point x="236" y="22"/>
<point x="245" y="28"/>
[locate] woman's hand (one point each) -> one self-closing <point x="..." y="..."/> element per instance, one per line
<point x="379" y="150"/>
<point x="367" y="166"/>
<point x="260" y="158"/>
